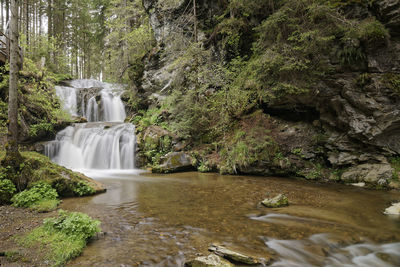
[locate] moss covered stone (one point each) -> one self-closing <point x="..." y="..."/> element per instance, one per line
<point x="37" y="167"/>
<point x="279" y="201"/>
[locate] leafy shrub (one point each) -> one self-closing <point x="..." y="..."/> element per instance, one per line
<point x="82" y="189"/>
<point x="7" y="190"/>
<point x="372" y="32"/>
<point x="40" y="191"/>
<point x="36" y="129"/>
<point x="76" y="225"/>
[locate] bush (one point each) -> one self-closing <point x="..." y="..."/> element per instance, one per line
<point x="74" y="224"/>
<point x="7" y="190"/>
<point x="39" y="192"/>
<point x="63" y="237"/>
<point x="82" y="189"/>
<point x="372" y="32"/>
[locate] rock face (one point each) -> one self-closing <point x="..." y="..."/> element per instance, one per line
<point x="175" y="162"/>
<point x="355" y="108"/>
<point x="393" y="210"/>
<point x="279" y="201"/>
<point x="211" y="260"/>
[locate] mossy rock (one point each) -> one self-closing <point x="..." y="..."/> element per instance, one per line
<point x="37" y="167"/>
<point x="279" y="201"/>
<point x="175" y="162"/>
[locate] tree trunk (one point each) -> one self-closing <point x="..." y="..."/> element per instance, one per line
<point x="7" y="11"/>
<point x="195" y="21"/>
<point x="26" y="10"/>
<point x="2" y="15"/>
<point x="13" y="157"/>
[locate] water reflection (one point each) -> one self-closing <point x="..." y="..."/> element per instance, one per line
<point x="159" y="220"/>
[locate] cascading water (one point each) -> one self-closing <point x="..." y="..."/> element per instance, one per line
<point x="105" y="142"/>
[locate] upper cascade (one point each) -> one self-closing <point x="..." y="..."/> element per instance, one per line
<point x="93" y="100"/>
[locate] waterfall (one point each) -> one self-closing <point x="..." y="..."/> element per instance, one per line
<point x="68" y="97"/>
<point x="105" y="142"/>
<point x="79" y="98"/>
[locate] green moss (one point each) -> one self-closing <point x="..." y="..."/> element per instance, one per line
<point x="62" y="238"/>
<point x="39" y="168"/>
<point x="45" y="205"/>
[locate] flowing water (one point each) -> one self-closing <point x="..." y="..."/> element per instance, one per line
<point x="105" y="142"/>
<point x="163" y="220"/>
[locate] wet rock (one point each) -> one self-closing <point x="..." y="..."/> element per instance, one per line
<point x="211" y="260"/>
<point x="175" y="162"/>
<point x="276" y="202"/>
<point x="394" y="185"/>
<point x="389" y="12"/>
<point x="361" y="184"/>
<point x="393" y="210"/>
<point x="233" y="255"/>
<point x="370" y="173"/>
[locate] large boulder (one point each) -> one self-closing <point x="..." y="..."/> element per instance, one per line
<point x="369" y="173"/>
<point x="175" y="162"/>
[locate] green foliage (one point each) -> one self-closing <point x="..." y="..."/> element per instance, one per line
<point x="395" y="163"/>
<point x="313" y="173"/>
<point x="247" y="147"/>
<point x="392" y="80"/>
<point x="82" y="189"/>
<point x="125" y="64"/>
<point x="45" y="205"/>
<point x="63" y="237"/>
<point x="363" y="79"/>
<point x="76" y="225"/>
<point x="7" y="190"/>
<point x="41" y="127"/>
<point x="372" y="32"/>
<point x="39" y="192"/>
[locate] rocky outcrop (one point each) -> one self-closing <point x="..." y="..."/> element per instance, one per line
<point x="389" y="12"/>
<point x="354" y="110"/>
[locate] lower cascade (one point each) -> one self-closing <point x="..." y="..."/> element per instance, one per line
<point x="94" y="145"/>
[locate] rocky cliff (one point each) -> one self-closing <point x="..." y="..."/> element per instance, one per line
<point x="345" y="126"/>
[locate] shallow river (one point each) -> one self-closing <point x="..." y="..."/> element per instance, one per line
<point x="161" y="220"/>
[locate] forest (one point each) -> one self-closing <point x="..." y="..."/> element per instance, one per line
<point x="199" y="132"/>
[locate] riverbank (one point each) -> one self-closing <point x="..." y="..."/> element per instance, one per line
<point x="17" y="222"/>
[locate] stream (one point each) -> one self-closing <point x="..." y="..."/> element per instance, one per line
<point x="164" y="220"/>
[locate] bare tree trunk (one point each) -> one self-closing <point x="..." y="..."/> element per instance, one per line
<point x="195" y="21"/>
<point x="7" y="11"/>
<point x="2" y="15"/>
<point x="40" y="17"/>
<point x="12" y="137"/>
<point x="26" y="10"/>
